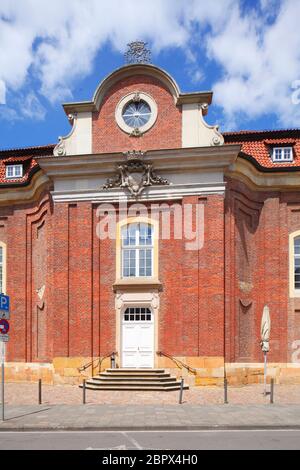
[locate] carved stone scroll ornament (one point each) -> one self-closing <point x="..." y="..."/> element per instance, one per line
<point x="217" y="138"/>
<point x="60" y="149"/>
<point x="135" y="175"/>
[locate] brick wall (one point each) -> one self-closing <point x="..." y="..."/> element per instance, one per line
<point x="258" y="225"/>
<point x="58" y="247"/>
<point x="166" y="132"/>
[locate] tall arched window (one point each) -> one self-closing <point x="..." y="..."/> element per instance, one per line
<point x="137" y="250"/>
<point x="297" y="263"/>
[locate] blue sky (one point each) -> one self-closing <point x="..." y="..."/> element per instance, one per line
<point x="247" y="52"/>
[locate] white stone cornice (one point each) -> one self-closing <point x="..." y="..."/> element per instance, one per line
<point x="178" y="160"/>
<point x="188" y="171"/>
<point x="24" y="194"/>
<point x="163" y="193"/>
<point x="246" y="172"/>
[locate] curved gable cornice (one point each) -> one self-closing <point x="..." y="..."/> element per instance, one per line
<point x="132" y="70"/>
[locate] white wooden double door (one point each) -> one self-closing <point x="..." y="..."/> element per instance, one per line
<point x="138" y="338"/>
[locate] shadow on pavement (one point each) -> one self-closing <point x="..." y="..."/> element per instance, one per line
<point x="27" y="414"/>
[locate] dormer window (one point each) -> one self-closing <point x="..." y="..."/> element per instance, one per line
<point x="282" y="154"/>
<point x="14" y="171"/>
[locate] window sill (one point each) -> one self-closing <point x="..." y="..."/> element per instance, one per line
<point x="137" y="283"/>
<point x="13" y="177"/>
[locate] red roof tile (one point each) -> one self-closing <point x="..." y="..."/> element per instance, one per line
<point x="21" y="155"/>
<point x="259" y="144"/>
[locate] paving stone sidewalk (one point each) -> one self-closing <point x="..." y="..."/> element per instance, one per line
<point x="146" y="417"/>
<point x="27" y="394"/>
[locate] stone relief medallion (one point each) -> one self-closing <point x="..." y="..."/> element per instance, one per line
<point x="135" y="175"/>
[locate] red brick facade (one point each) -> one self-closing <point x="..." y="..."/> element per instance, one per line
<point x="242" y="266"/>
<point x="60" y="275"/>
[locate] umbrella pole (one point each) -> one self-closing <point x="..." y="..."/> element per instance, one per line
<point x="265" y="373"/>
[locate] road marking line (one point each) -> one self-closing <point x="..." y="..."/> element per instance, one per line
<point x="122" y="447"/>
<point x="132" y="440"/>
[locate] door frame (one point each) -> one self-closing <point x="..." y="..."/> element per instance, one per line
<point x="123" y="310"/>
<point x="124" y="299"/>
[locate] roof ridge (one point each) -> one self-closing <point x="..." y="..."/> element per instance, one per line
<point x="259" y="131"/>
<point x="21" y="149"/>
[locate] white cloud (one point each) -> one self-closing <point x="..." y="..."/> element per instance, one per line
<point x="23" y="107"/>
<point x="2" y="92"/>
<point x="32" y="108"/>
<point x="55" y="43"/>
<point x="260" y="62"/>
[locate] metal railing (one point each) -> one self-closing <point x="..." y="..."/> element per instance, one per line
<point x="96" y="363"/>
<point x="180" y="364"/>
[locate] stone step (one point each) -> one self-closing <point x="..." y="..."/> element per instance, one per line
<point x="137" y="371"/>
<point x="132" y="374"/>
<point x="140" y="388"/>
<point x="134" y="379"/>
<point x="107" y="383"/>
<point x="123" y="378"/>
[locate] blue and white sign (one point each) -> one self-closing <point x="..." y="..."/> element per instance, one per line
<point x="4" y="306"/>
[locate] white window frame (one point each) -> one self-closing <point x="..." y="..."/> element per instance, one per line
<point x="135" y="311"/>
<point x="294" y="292"/>
<point x="282" y="151"/>
<point x="14" y="168"/>
<point x="296" y="256"/>
<point x="125" y="101"/>
<point x="137" y="248"/>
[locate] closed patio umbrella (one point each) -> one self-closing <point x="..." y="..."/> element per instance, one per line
<point x="265" y="339"/>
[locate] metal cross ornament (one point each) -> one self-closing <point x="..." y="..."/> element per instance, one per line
<point x="138" y="53"/>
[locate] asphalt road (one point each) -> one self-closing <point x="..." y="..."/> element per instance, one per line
<point x="165" y="440"/>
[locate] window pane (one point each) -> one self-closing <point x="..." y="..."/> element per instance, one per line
<point x="129" y="257"/>
<point x="9" y="171"/>
<point x="137" y="314"/>
<point x="297" y="246"/>
<point x="129" y="235"/>
<point x="145" y="234"/>
<point x="277" y="154"/>
<point x="145" y="262"/>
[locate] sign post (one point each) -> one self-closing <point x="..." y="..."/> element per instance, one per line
<point x="2" y="376"/>
<point x="4" y="337"/>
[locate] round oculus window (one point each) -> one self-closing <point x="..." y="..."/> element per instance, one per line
<point x="136" y="114"/>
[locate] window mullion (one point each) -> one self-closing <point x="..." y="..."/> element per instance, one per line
<point x="137" y="251"/>
<point x="137" y="262"/>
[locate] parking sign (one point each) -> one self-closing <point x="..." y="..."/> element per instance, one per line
<point x="4" y="306"/>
